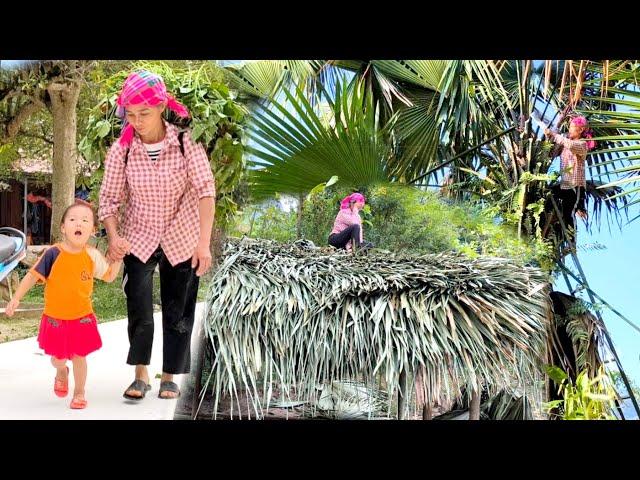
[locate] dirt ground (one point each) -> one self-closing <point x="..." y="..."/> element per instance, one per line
<point x="184" y="408"/>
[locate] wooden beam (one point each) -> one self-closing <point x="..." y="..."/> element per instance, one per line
<point x="402" y="395"/>
<point x="474" y="406"/>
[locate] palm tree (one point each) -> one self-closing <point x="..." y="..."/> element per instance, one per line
<point x="428" y="110"/>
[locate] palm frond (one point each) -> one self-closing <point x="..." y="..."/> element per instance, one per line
<point x="263" y="78"/>
<point x="295" y="149"/>
<point x="612" y="198"/>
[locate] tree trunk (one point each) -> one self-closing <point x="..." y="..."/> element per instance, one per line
<point x="474" y="406"/>
<point x="64" y="100"/>
<point x="299" y="218"/>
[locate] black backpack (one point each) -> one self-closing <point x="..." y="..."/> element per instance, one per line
<point x="180" y="140"/>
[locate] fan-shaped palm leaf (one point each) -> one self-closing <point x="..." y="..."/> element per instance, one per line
<point x="295" y="150"/>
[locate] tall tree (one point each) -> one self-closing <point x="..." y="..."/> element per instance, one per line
<point x="54" y="86"/>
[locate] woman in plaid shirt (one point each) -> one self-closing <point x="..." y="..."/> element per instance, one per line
<point x="167" y="201"/>
<point x="573" y="151"/>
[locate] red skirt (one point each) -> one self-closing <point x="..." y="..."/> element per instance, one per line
<point x="65" y="338"/>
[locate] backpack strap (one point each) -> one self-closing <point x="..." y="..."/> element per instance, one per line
<point x="181" y="141"/>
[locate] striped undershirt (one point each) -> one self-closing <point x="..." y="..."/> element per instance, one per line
<point x="154" y="149"/>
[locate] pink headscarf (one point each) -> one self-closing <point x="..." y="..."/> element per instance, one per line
<point x="354" y="197"/>
<point x="587" y="133"/>
<point x="144" y="87"/>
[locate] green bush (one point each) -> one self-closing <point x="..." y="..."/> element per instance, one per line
<point x="404" y="218"/>
<point x="586" y="399"/>
<point x="398" y="218"/>
<point x="266" y="220"/>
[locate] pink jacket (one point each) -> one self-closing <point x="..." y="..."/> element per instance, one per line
<point x="344" y="219"/>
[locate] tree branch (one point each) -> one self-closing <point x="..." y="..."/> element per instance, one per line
<point x="44" y="138"/>
<point x="28" y="109"/>
<point x="6" y="94"/>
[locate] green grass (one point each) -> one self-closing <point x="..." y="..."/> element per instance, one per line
<point x="109" y="302"/>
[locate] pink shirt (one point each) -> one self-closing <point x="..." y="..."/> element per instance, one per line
<point x="346" y="218"/>
<point x="160" y="197"/>
<point x="572" y="161"/>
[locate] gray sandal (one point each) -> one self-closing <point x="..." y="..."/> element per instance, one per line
<point x="139" y="385"/>
<point x="167" y="386"/>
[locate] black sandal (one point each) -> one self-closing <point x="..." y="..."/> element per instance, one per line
<point x="139" y="385"/>
<point x="167" y="386"/>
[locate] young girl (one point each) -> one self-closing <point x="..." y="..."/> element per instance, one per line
<point x="68" y="328"/>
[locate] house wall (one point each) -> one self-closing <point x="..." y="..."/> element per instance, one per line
<point x="11" y="205"/>
<point x="11" y="211"/>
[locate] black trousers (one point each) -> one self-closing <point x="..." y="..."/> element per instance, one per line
<point x="178" y="293"/>
<point x="570" y="200"/>
<point x="340" y="240"/>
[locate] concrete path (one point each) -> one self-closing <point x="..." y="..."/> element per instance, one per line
<point x="26" y="376"/>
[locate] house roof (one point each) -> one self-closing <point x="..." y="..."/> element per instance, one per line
<point x="44" y="166"/>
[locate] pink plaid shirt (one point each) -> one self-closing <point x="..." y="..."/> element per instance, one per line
<point x="160" y="198"/>
<point x="346" y="218"/>
<point x="572" y="161"/>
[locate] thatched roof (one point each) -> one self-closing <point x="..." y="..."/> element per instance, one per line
<point x="301" y="316"/>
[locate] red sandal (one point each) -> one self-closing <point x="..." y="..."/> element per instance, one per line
<point x="61" y="387"/>
<point x="78" y="403"/>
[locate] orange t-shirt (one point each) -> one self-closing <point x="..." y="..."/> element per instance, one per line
<point x="68" y="279"/>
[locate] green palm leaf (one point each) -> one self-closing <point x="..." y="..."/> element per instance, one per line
<point x="295" y="150"/>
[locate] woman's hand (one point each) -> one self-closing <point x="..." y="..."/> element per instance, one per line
<point x="201" y="258"/>
<point x="11" y="307"/>
<point x="118" y="248"/>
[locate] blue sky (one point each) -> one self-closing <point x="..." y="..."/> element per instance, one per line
<point x="613" y="274"/>
<point x="11" y="63"/>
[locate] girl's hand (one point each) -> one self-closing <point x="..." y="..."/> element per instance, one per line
<point x="11" y="307"/>
<point x="118" y="248"/>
